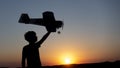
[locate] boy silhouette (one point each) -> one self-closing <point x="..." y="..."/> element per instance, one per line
<point x="30" y="52"/>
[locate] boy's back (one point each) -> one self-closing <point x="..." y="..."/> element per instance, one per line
<point x="31" y="53"/>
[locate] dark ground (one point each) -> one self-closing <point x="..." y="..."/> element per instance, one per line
<point x="115" y="64"/>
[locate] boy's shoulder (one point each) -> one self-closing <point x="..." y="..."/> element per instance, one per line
<point x="26" y="46"/>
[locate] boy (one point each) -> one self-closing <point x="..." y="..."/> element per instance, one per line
<point x="30" y="52"/>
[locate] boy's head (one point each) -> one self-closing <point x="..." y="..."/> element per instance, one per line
<point x="30" y="36"/>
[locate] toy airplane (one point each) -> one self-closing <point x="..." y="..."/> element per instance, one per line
<point x="48" y="21"/>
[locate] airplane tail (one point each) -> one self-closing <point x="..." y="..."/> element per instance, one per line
<point x="24" y="18"/>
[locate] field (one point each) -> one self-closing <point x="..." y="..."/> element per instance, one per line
<point x="115" y="64"/>
<point x="89" y="65"/>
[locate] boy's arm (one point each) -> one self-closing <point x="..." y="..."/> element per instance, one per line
<point x="43" y="39"/>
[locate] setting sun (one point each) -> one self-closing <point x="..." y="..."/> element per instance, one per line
<point x="67" y="61"/>
<point x="67" y="58"/>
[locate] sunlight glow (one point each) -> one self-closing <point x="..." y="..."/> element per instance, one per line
<point x="67" y="61"/>
<point x="68" y="58"/>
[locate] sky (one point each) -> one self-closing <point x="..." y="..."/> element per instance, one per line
<point x="90" y="34"/>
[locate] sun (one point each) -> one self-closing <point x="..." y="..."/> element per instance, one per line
<point x="67" y="61"/>
<point x="67" y="58"/>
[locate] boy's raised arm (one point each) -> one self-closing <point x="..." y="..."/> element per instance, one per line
<point x="43" y="38"/>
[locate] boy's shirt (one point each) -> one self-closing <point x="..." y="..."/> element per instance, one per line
<point x="31" y="54"/>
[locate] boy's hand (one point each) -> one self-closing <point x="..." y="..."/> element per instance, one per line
<point x="49" y="32"/>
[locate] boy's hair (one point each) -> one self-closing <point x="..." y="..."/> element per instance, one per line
<point x="30" y="36"/>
